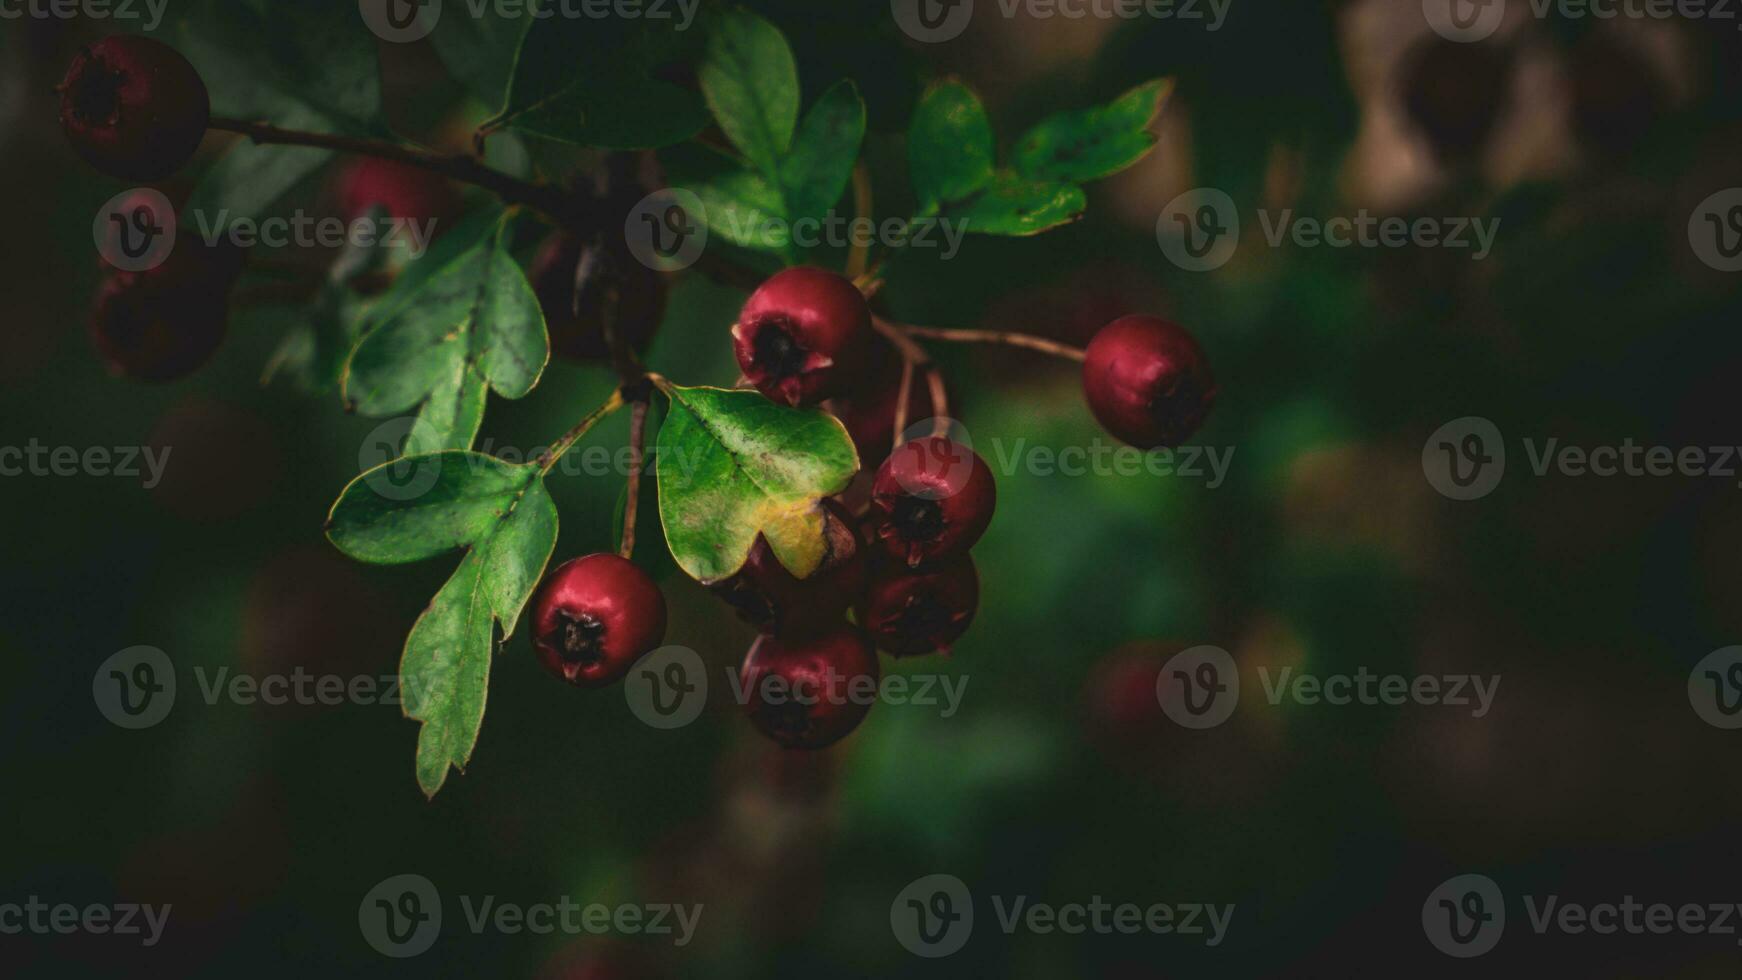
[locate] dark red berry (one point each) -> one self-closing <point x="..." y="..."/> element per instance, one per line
<point x="401" y="190"/>
<point x="162" y="323"/>
<point x="804" y="336"/>
<point x="932" y="499"/>
<point x="1148" y="382"/>
<point x="910" y="613"/>
<point x="768" y="597"/>
<point x="134" y="108"/>
<point x="593" y="617"/>
<point x="1453" y="92"/>
<point x="585" y="287"/>
<point x="810" y="693"/>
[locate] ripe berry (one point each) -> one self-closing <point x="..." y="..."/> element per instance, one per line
<point x="401" y="190"/>
<point x="910" y="613"/>
<point x="1148" y="382"/>
<point x="807" y="694"/>
<point x="593" y="617"/>
<point x="1453" y="92"/>
<point x="932" y="499"/>
<point x="162" y="323"/>
<point x="803" y="336"/>
<point x="133" y="108"/>
<point x="584" y="287"/>
<point x="768" y="597"/>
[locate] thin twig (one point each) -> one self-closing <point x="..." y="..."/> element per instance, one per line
<point x="547" y="460"/>
<point x="860" y="256"/>
<point x="905" y="392"/>
<point x="466" y="169"/>
<point x="637" y="437"/>
<point x="919" y="359"/>
<point x="1007" y="338"/>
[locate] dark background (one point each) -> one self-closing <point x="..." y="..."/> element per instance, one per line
<point x="1326" y="549"/>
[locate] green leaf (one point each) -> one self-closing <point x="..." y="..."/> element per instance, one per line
<point x="732" y="465"/>
<point x="479" y="51"/>
<point x="1089" y="144"/>
<point x="949" y="145"/>
<point x="592" y="81"/>
<point x="740" y="206"/>
<point x="472" y="321"/>
<point x="750" y="81"/>
<point x="1014" y="206"/>
<point x="816" y="172"/>
<point x="502" y="515"/>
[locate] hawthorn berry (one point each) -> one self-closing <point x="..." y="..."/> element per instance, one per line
<point x="803" y="336"/>
<point x="1147" y="381"/>
<point x="162" y="323"/>
<point x="1453" y="92"/>
<point x="584" y="288"/>
<point x="809" y="693"/>
<point x="593" y="617"/>
<point x="932" y="499"/>
<point x="913" y="612"/>
<point x="133" y="108"/>
<point x="770" y="598"/>
<point x="403" y="191"/>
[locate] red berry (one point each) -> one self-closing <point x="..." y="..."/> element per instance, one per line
<point x="1148" y="382"/>
<point x="584" y="287"/>
<point x="910" y="613"/>
<point x="932" y="500"/>
<point x="134" y="108"/>
<point x="768" y="597"/>
<point x="401" y="190"/>
<point x="162" y="323"/>
<point x="804" y="336"/>
<point x="593" y="617"/>
<point x="807" y="694"/>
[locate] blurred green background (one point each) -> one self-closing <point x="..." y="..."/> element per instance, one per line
<point x="1593" y="321"/>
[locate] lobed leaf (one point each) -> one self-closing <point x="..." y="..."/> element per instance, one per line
<point x="1089" y="144"/>
<point x="750" y="80"/>
<point x="949" y="145"/>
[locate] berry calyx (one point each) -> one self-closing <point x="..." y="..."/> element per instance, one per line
<point x="402" y="191"/>
<point x="585" y="288"/>
<point x="768" y="597"/>
<point x="593" y="617"/>
<point x="1148" y="382"/>
<point x="134" y="108"/>
<point x="911" y="613"/>
<point x="162" y="323"/>
<point x="932" y="499"/>
<point x="803" y="336"/>
<point x="809" y="694"/>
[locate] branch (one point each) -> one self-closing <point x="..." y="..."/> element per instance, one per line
<point x="637" y="439"/>
<point x="916" y="358"/>
<point x="1028" y="341"/>
<point x="554" y="202"/>
<point x="547" y="460"/>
